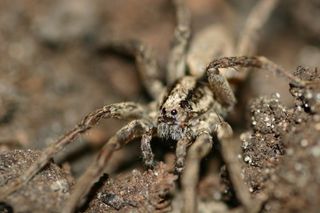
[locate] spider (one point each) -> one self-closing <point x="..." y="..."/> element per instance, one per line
<point x="190" y="109"/>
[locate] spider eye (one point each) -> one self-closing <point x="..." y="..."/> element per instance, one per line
<point x="174" y="112"/>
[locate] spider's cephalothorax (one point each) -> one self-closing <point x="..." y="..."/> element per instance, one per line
<point x="180" y="111"/>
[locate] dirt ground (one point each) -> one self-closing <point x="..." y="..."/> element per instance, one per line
<point x="52" y="74"/>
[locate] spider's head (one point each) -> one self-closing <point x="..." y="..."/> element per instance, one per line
<point x="186" y="101"/>
<point x="173" y="119"/>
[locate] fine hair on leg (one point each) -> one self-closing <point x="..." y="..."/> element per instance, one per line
<point x="134" y="129"/>
<point x="181" y="153"/>
<point x="198" y="150"/>
<point x="230" y="154"/>
<point x="126" y="110"/>
<point x="147" y="154"/>
<point x="252" y="62"/>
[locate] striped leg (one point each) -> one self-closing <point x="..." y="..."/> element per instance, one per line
<point x="126" y="134"/>
<point x="120" y="111"/>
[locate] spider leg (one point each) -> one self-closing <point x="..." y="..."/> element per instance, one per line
<point x="230" y="154"/>
<point x="147" y="154"/>
<point x="146" y="63"/>
<point x="177" y="57"/>
<point x="126" y="134"/>
<point x="221" y="88"/>
<point x="256" y="20"/>
<point x="251" y="62"/>
<point x="198" y="150"/>
<point x="121" y="111"/>
<point x="181" y="152"/>
<point x="220" y="85"/>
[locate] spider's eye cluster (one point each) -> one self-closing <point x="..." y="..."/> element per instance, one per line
<point x="172" y="112"/>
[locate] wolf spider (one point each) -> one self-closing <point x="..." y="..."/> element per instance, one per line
<point x="190" y="110"/>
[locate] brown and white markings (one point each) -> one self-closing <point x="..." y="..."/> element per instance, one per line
<point x="189" y="109"/>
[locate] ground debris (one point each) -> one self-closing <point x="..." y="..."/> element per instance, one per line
<point x="47" y="191"/>
<point x="262" y="149"/>
<point x="149" y="191"/>
<point x="282" y="162"/>
<point x="308" y="97"/>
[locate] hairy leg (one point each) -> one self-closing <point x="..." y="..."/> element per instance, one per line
<point x="126" y="134"/>
<point x="190" y="176"/>
<point x="121" y="111"/>
<point x="147" y="154"/>
<point x="177" y="57"/>
<point x="146" y="63"/>
<point x="246" y="46"/>
<point x="221" y="88"/>
<point x="181" y="152"/>
<point x="220" y="85"/>
<point x="209" y="124"/>
<point x="230" y="155"/>
<point x="252" y="62"/>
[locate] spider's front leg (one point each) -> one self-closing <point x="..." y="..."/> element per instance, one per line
<point x="127" y="110"/>
<point x="147" y="154"/>
<point x="134" y="129"/>
<point x="214" y="124"/>
<point x="212" y="71"/>
<point x="198" y="150"/>
<point x="221" y="88"/>
<point x="220" y="85"/>
<point x="181" y="152"/>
